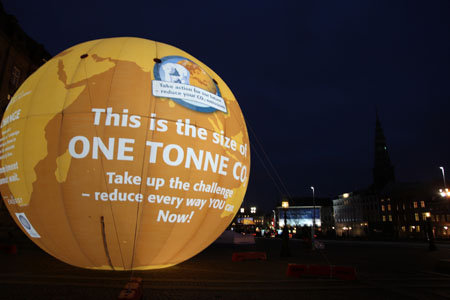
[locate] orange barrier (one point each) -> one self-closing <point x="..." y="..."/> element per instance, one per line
<point x="322" y="271"/>
<point x="294" y="270"/>
<point x="241" y="256"/>
<point x="132" y="290"/>
<point x="319" y="270"/>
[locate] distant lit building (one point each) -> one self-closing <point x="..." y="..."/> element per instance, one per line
<point x="357" y="214"/>
<point x="391" y="209"/>
<point x="299" y="216"/>
<point x="302" y="211"/>
<point x="248" y="219"/>
<point x="408" y="209"/>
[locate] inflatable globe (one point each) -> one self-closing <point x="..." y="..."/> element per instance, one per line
<point x="123" y="153"/>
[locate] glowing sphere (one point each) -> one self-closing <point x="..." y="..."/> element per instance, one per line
<point x="123" y="153"/>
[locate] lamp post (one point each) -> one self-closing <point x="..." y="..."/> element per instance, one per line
<point x="314" y="218"/>
<point x="285" y="205"/>
<point x="444" y="192"/>
<point x="285" y="252"/>
<point x="443" y="176"/>
<point x="431" y="244"/>
<point x="274" y="220"/>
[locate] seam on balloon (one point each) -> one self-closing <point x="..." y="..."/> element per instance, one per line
<point x="101" y="161"/>
<point x="139" y="215"/>
<point x="59" y="149"/>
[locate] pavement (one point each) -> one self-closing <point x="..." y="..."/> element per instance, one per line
<point x="385" y="270"/>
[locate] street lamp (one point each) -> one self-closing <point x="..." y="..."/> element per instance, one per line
<point x="285" y="205"/>
<point x="274" y="220"/>
<point x="443" y="176"/>
<point x="444" y="193"/>
<point x="431" y="244"/>
<point x="314" y="218"/>
<point x="285" y="235"/>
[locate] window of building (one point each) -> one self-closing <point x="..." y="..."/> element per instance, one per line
<point x="404" y="207"/>
<point x="15" y="77"/>
<point x="382" y="208"/>
<point x="424" y="216"/>
<point x="412" y="228"/>
<point x="418" y="228"/>
<point x="403" y="228"/>
<point x="416" y="216"/>
<point x="422" y="203"/>
<point x="415" y="204"/>
<point x="390" y="218"/>
<point x="437" y="218"/>
<point x="389" y="207"/>
<point x="384" y="218"/>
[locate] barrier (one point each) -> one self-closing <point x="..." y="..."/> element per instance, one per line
<point x="132" y="290"/>
<point x="294" y="270"/>
<point x="241" y="256"/>
<point x="321" y="271"/>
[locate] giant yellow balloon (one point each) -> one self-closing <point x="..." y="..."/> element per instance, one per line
<point x="123" y="153"/>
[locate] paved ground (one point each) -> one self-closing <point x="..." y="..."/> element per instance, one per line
<point x="386" y="270"/>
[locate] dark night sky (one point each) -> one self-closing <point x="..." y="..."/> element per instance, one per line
<point x="308" y="75"/>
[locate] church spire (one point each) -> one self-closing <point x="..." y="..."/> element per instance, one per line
<point x="383" y="170"/>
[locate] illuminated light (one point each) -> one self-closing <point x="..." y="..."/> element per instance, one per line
<point x="242" y="210"/>
<point x="332" y="227"/>
<point x="445" y="227"/>
<point x="114" y="145"/>
<point x="350" y="228"/>
<point x="444" y="193"/>
<point x="427" y="214"/>
<point x="285" y="204"/>
<point x="253" y="210"/>
<point x="345" y="195"/>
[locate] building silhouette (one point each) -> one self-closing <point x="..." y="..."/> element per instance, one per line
<point x="20" y="56"/>
<point x="357" y="213"/>
<point x="383" y="170"/>
<point x="391" y="209"/>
